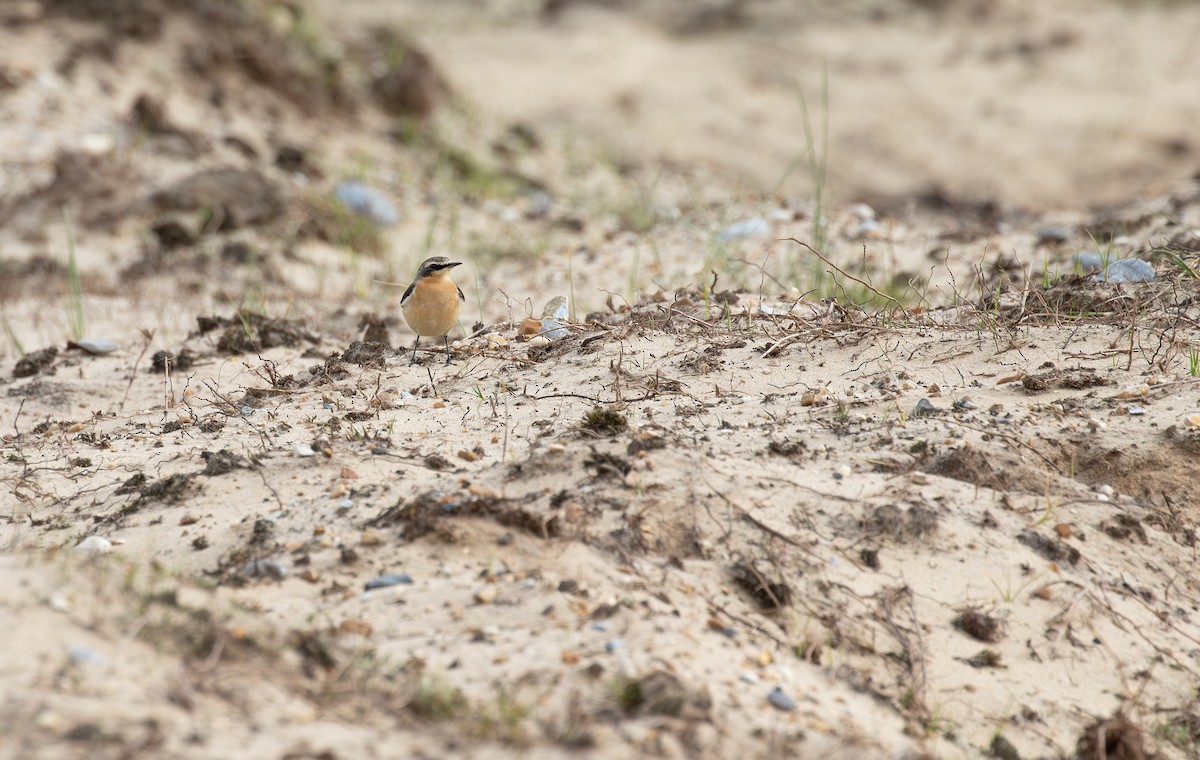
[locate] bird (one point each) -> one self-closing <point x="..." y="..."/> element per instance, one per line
<point x="432" y="302"/>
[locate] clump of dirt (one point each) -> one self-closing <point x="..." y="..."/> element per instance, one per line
<point x="169" y="490"/>
<point x="164" y="361"/>
<point x="1124" y="527"/>
<point x="971" y="465"/>
<point x="36" y="361"/>
<point x="1053" y="549"/>
<point x="223" y="462"/>
<point x="424" y="514"/>
<point x="889" y="520"/>
<point x="979" y="625"/>
<point x="234" y="198"/>
<point x="604" y="422"/>
<point x="1076" y="379"/>
<point x="251" y="332"/>
<point x="367" y="354"/>
<point x="410" y="83"/>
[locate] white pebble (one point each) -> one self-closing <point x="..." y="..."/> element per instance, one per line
<point x="94" y="545"/>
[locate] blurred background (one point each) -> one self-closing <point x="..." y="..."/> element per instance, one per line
<point x="166" y="158"/>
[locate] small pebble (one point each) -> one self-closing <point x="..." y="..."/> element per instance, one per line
<point x="744" y="228"/>
<point x="391" y="579"/>
<point x="925" y="408"/>
<point x="602" y="627"/>
<point x="749" y="676"/>
<point x="486" y="595"/>
<point x="613" y="645"/>
<point x="303" y="450"/>
<point x="780" y="700"/>
<point x="1136" y="411"/>
<point x="94" y="346"/>
<point x="1128" y="270"/>
<point x="841" y="472"/>
<point x="82" y="655"/>
<point x="367" y="201"/>
<point x="1106" y="489"/>
<point x="59" y="602"/>
<point x="94" y="545"/>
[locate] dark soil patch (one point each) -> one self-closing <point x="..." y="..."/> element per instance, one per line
<point x="979" y="625"/>
<point x="162" y="361"/>
<point x="95" y="189"/>
<point x="424" y="514"/>
<point x="34" y="362"/>
<point x="367" y="354"/>
<point x="223" y="462"/>
<point x="1162" y="474"/>
<point x="890" y="521"/>
<point x="770" y="595"/>
<point x="1053" y="549"/>
<point x="249" y="332"/>
<point x="233" y="197"/>
<point x="1075" y="379"/>
<point x="971" y="465"/>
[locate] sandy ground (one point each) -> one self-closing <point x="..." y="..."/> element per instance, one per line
<point x="926" y="491"/>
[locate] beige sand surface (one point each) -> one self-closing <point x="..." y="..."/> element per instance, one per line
<point x="936" y="491"/>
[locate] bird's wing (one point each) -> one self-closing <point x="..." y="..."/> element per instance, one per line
<point x="408" y="293"/>
<point x="461" y="297"/>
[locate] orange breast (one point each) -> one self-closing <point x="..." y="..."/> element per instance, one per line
<point x="433" y="308"/>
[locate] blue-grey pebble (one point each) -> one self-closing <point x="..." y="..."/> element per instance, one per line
<point x="780" y="699"/>
<point x="391" y="579"/>
<point x="367" y="201"/>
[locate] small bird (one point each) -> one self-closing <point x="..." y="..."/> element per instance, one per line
<point x="431" y="304"/>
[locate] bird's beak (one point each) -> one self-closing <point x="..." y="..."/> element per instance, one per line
<point x="454" y="264"/>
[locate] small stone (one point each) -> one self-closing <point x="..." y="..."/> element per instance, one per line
<point x="355" y="627"/>
<point x="613" y="645"/>
<point x="529" y="328"/>
<point x="925" y="408"/>
<point x="780" y="700"/>
<point x="814" y="398"/>
<point x="391" y="579"/>
<point x="468" y="456"/>
<point x="1106" y="489"/>
<point x="94" y="545"/>
<point x="843" y="471"/>
<point x="1127" y="270"/>
<point x="749" y="676"/>
<point x="745" y="228"/>
<point x="94" y="346"/>
<point x="486" y="595"/>
<point x="495" y="341"/>
<point x="538" y="341"/>
<point x="570" y="657"/>
<point x="59" y="602"/>
<point x="367" y="202"/>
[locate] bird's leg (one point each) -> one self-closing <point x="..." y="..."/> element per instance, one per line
<point x="446" y="343"/>
<point x="414" y="351"/>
